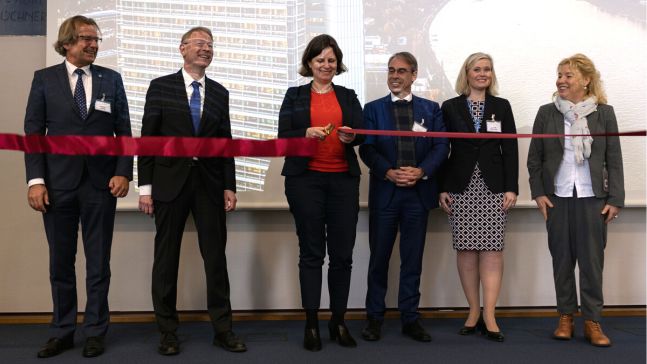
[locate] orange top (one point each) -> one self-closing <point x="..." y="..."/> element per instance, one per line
<point x="330" y="157"/>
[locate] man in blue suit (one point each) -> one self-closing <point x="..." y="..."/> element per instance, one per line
<point x="77" y="98"/>
<point x="401" y="193"/>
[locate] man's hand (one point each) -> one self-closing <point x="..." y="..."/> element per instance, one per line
<point x="38" y="198"/>
<point x="146" y="204"/>
<point x="118" y="186"/>
<point x="445" y="202"/>
<point x="544" y="204"/>
<point x="230" y="200"/>
<point x="405" y="176"/>
<point x="611" y="212"/>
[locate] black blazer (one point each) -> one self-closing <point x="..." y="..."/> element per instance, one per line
<point x="51" y="110"/>
<point x="294" y="119"/>
<point x="498" y="159"/>
<point x="167" y="113"/>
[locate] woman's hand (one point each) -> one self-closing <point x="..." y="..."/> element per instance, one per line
<point x="509" y="200"/>
<point x="611" y="212"/>
<point x="445" y="202"/>
<point x="344" y="134"/>
<point x="318" y="132"/>
<point x="544" y="204"/>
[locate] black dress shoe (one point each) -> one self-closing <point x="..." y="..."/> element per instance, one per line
<point x="230" y="342"/>
<point x="169" y="344"/>
<point x="93" y="347"/>
<point x="372" y="331"/>
<point x="312" y="339"/>
<point x="492" y="335"/>
<point x="339" y="332"/>
<point x="469" y="330"/>
<point x="55" y="346"/>
<point x="415" y="331"/>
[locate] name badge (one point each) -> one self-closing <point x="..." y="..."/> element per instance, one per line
<point x="103" y="105"/>
<point x="493" y="126"/>
<point x="419" y="126"/>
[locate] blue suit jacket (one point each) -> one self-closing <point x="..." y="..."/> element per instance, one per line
<point x="51" y="110"/>
<point x="379" y="153"/>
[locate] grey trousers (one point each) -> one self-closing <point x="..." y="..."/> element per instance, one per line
<point x="577" y="234"/>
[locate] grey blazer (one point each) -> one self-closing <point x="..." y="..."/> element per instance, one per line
<point x="545" y="155"/>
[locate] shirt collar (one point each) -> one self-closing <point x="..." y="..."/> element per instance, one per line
<point x="407" y="98"/>
<point x="71" y="68"/>
<point x="188" y="79"/>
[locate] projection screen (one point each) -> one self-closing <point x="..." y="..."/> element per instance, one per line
<point x="258" y="46"/>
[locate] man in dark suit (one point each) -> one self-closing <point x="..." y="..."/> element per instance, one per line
<point x="402" y="191"/>
<point x="77" y="98"/>
<point x="188" y="104"/>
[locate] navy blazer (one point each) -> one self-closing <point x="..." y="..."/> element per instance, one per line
<point x="605" y="163"/>
<point x="167" y="113"/>
<point x="380" y="154"/>
<point x="294" y="120"/>
<point x="51" y="110"/>
<point x="498" y="159"/>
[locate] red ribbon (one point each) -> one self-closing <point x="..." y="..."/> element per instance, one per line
<point x="442" y="134"/>
<point x="219" y="147"/>
<point x="158" y="146"/>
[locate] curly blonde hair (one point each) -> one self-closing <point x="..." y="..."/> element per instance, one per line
<point x="586" y="68"/>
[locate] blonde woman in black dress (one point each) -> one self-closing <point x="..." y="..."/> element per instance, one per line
<point x="480" y="185"/>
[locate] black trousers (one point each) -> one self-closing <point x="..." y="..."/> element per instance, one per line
<point x="325" y="208"/>
<point x="209" y="217"/>
<point x="95" y="210"/>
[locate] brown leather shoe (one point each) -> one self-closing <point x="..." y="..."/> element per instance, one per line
<point x="593" y="333"/>
<point x="565" y="328"/>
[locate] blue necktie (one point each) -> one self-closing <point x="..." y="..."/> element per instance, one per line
<point x="194" y="104"/>
<point x="79" y="94"/>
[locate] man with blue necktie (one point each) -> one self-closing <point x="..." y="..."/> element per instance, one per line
<point x="189" y="104"/>
<point x="402" y="190"/>
<point x="77" y="97"/>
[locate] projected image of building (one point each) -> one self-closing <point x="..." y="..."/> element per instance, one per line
<point x="344" y="21"/>
<point x="257" y="53"/>
<point x="257" y="45"/>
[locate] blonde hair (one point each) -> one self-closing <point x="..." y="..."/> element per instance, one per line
<point x="586" y="68"/>
<point x="67" y="32"/>
<point x="463" y="87"/>
<point x="205" y="30"/>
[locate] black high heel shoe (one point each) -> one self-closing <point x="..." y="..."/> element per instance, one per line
<point x="339" y="332"/>
<point x="469" y="330"/>
<point x="492" y="335"/>
<point x="312" y="339"/>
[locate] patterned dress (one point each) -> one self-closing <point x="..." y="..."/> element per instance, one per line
<point x="478" y="219"/>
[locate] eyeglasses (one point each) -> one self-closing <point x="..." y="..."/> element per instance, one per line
<point x="89" y="39"/>
<point x="200" y="43"/>
<point x="399" y="71"/>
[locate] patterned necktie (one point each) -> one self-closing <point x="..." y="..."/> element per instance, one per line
<point x="79" y="94"/>
<point x="194" y="104"/>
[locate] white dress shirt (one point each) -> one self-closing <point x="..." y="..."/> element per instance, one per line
<point x="571" y="174"/>
<point x="407" y="98"/>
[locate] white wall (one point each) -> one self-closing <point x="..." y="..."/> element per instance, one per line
<point x="262" y="250"/>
